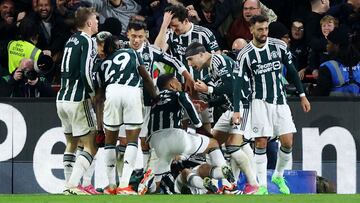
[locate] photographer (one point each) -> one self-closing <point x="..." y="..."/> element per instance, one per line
<point x="26" y="82"/>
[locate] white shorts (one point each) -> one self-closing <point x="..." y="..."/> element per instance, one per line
<point x="224" y="124"/>
<point x="205" y="116"/>
<point x="170" y="142"/>
<point x="77" y="118"/>
<point x="144" y="126"/>
<point x="123" y="105"/>
<point x="122" y="132"/>
<point x="270" y="120"/>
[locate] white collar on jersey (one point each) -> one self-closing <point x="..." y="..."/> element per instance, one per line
<point x="211" y="64"/>
<point x="188" y="32"/>
<point x="141" y="49"/>
<point x="262" y="48"/>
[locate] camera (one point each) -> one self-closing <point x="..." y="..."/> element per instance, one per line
<point x="30" y="75"/>
<point x="232" y="54"/>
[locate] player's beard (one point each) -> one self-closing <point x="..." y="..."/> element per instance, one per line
<point x="261" y="40"/>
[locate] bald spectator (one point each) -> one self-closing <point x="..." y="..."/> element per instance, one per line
<point x="236" y="47"/>
<point x="241" y="27"/>
<point x="238" y="44"/>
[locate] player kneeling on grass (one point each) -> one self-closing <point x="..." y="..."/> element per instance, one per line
<point x="197" y="180"/>
<point x="169" y="140"/>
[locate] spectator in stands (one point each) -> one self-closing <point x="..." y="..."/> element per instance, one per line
<point x="236" y="47"/>
<point x="279" y="31"/>
<point x="25" y="46"/>
<point x="347" y="13"/>
<point x="51" y="26"/>
<point x="8" y="31"/>
<point x="211" y="14"/>
<point x="238" y="44"/>
<point x="7" y="11"/>
<point x="298" y="46"/>
<point x="241" y="27"/>
<point x="52" y="35"/>
<point x="153" y="12"/>
<point x="68" y="7"/>
<point x="26" y="82"/>
<point x="123" y="10"/>
<point x="317" y="52"/>
<point x="114" y="26"/>
<point x="318" y="10"/>
<point x="341" y="75"/>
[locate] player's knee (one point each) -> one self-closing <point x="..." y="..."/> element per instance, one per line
<point x="213" y="143"/>
<point x="286" y="140"/>
<point x="184" y="173"/>
<point x="204" y="170"/>
<point x="287" y="143"/>
<point x="71" y="144"/>
<point x="261" y="143"/>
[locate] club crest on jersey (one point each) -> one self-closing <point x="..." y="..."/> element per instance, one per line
<point x="274" y="54"/>
<point x="146" y="57"/>
<point x="93" y="53"/>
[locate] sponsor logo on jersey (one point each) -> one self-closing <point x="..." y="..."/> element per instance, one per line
<point x="213" y="44"/>
<point x="180" y="50"/>
<point x="267" y="67"/>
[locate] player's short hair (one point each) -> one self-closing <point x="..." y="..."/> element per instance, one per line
<point x="82" y="14"/>
<point x="194" y="48"/>
<point x="258" y="19"/>
<point x="101" y="36"/>
<point x="137" y="25"/>
<point x="111" y="45"/>
<point x="178" y="11"/>
<point x="163" y="80"/>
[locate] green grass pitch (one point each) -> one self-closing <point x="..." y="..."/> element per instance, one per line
<point x="43" y="198"/>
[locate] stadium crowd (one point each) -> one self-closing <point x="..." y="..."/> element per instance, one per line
<point x="157" y="69"/>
